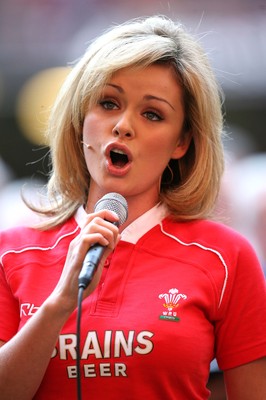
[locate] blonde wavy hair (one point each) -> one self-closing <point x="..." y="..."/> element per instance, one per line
<point x="192" y="187"/>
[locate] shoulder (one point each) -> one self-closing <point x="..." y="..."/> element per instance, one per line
<point x="209" y="234"/>
<point x="22" y="238"/>
<point x="221" y="251"/>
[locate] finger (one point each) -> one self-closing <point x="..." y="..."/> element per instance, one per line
<point x="102" y="227"/>
<point x="106" y="215"/>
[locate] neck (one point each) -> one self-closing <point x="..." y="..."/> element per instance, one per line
<point x="137" y="205"/>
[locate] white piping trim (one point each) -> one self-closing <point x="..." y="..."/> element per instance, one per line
<point x="38" y="248"/>
<point x="207" y="249"/>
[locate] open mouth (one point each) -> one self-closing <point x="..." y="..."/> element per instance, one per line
<point x="119" y="158"/>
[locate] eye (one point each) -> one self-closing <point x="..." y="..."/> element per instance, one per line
<point x="152" y="116"/>
<point x="108" y="105"/>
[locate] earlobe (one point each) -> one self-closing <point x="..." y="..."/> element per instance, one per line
<point x="182" y="146"/>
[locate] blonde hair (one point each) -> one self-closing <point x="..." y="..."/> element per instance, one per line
<point x="195" y="180"/>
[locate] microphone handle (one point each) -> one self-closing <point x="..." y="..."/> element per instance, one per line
<point x="90" y="264"/>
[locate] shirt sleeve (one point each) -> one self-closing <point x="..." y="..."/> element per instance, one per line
<point x="241" y="330"/>
<point x="9" y="310"/>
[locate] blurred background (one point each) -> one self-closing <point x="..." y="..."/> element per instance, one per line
<point x="39" y="39"/>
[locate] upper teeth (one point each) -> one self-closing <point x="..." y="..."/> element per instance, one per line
<point x="118" y="151"/>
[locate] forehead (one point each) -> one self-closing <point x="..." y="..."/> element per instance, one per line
<point x="155" y="79"/>
<point x="149" y="73"/>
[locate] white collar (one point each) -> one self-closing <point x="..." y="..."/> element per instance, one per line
<point x="133" y="232"/>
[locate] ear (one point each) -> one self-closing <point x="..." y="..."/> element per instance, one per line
<point x="182" y="146"/>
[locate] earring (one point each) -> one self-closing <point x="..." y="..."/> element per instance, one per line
<point x="168" y="176"/>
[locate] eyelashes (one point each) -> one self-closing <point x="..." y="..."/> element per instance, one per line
<point x="152" y="116"/>
<point x="108" y="105"/>
<point x="149" y="114"/>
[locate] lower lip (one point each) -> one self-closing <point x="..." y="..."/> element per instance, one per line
<point x="118" y="171"/>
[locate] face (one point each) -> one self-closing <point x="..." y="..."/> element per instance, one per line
<point x="133" y="131"/>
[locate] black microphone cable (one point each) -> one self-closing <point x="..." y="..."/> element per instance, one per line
<point x="79" y="314"/>
<point x="118" y="204"/>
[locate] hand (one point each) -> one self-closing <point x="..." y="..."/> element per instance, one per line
<point x="98" y="228"/>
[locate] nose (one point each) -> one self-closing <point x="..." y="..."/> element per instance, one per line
<point x="123" y="128"/>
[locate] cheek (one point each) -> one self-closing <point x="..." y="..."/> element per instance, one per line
<point x="161" y="150"/>
<point x="87" y="128"/>
<point x="91" y="127"/>
<point x="156" y="159"/>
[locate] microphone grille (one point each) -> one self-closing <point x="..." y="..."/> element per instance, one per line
<point x="114" y="202"/>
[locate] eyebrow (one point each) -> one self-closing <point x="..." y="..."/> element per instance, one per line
<point x="116" y="87"/>
<point x="147" y="97"/>
<point x="151" y="97"/>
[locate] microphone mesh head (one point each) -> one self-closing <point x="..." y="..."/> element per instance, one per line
<point x="114" y="202"/>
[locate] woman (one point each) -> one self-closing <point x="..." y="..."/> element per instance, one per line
<point x="140" y="115"/>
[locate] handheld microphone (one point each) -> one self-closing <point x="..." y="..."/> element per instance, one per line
<point x="114" y="202"/>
